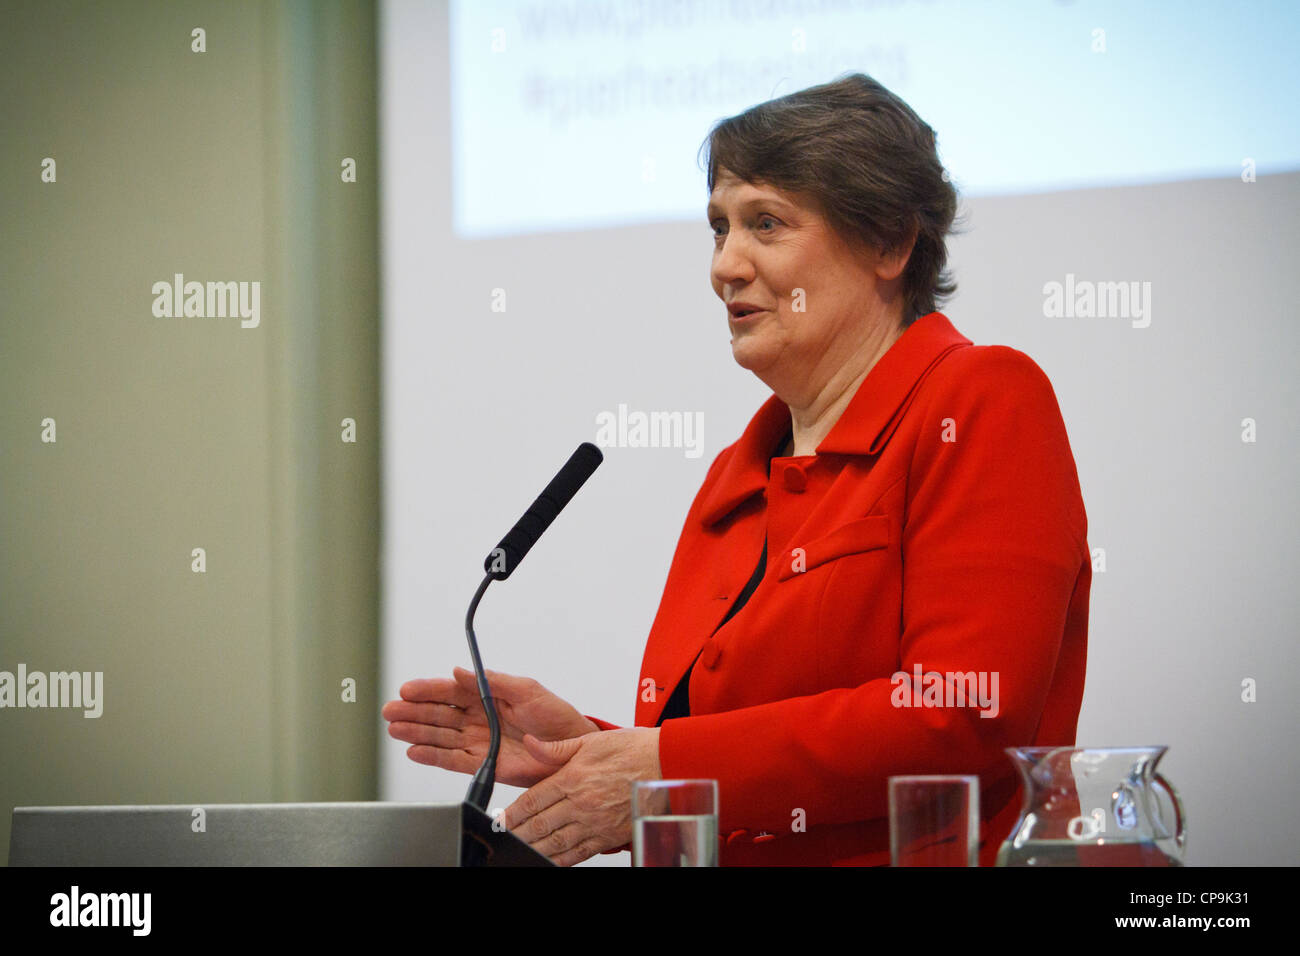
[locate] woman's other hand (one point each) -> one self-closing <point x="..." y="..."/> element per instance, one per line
<point x="585" y="807"/>
<point x="445" y="723"/>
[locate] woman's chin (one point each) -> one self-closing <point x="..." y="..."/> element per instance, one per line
<point x="748" y="355"/>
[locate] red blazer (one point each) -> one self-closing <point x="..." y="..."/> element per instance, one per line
<point x="939" y="526"/>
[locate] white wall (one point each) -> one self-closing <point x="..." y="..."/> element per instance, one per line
<point x="481" y="408"/>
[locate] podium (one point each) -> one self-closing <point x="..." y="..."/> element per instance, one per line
<point x="265" y="834"/>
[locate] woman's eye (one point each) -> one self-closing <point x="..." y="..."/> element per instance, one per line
<point x="767" y="221"/>
<point x="719" y="228"/>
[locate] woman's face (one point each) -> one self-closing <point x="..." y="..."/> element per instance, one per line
<point x="818" y="301"/>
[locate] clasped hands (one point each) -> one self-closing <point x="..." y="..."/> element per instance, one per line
<point x="579" y="778"/>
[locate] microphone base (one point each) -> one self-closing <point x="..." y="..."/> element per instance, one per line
<point x="481" y="845"/>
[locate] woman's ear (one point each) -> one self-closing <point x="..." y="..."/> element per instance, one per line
<point x="890" y="264"/>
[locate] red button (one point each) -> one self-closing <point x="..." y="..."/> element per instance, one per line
<point x="764" y="837"/>
<point x="735" y="835"/>
<point x="795" y="480"/>
<point x="709" y="656"/>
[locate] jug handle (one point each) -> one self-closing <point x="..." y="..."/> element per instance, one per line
<point x="1180" y="829"/>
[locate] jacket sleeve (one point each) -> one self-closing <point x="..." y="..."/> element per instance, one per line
<point x="993" y="535"/>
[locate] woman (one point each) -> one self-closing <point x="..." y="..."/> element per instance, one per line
<point x="900" y="520"/>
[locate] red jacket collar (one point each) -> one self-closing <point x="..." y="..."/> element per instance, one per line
<point x="863" y="429"/>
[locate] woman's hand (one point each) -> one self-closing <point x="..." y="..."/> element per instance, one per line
<point x="447" y="727"/>
<point x="585" y="806"/>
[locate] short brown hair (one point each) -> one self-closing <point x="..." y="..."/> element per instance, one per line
<point x="867" y="160"/>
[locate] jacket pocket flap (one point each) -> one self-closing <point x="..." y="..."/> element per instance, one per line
<point x="864" y="534"/>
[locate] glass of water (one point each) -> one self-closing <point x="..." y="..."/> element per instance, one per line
<point x="934" y="820"/>
<point x="675" y="823"/>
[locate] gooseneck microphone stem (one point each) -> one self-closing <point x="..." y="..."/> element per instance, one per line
<point x="480" y="788"/>
<point x="499" y="565"/>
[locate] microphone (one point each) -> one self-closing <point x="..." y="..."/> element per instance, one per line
<point x="499" y="565"/>
<point x="505" y="557"/>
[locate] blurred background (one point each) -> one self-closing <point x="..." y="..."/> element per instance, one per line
<point x="475" y="227"/>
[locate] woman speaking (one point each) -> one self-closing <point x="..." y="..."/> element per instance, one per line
<point x="901" y="518"/>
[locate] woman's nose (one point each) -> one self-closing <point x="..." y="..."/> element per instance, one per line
<point x="732" y="263"/>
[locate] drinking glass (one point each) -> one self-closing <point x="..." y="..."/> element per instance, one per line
<point x="675" y="823"/>
<point x="934" y="820"/>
